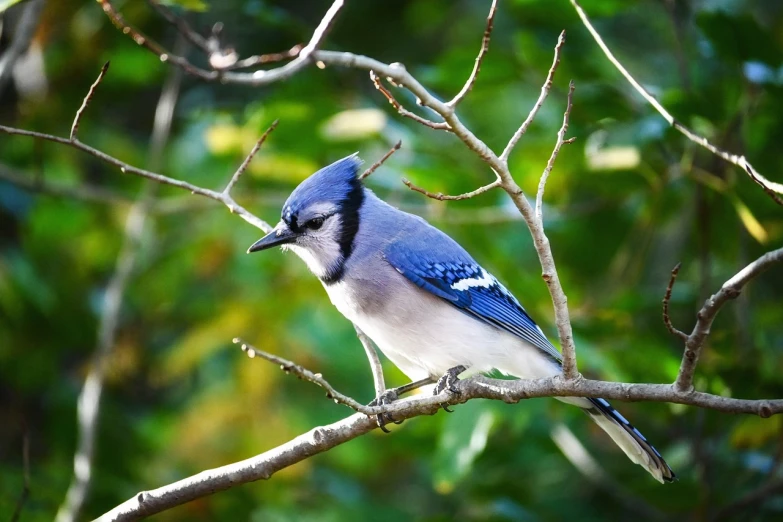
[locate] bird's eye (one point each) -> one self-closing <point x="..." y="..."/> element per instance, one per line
<point x="315" y="223"/>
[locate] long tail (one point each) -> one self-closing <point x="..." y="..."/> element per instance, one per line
<point x="630" y="440"/>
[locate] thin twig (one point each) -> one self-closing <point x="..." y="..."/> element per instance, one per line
<point x="261" y="59"/>
<point x="126" y="168"/>
<point x="86" y="101"/>
<point x="381" y="161"/>
<point x="539" y="102"/>
<point x="402" y="110"/>
<point x="25" y="476"/>
<point x="770" y="187"/>
<point x="666" y="299"/>
<point x="445" y="197"/>
<point x="480" y="58"/>
<point x="551" y="163"/>
<point x="255" y="78"/>
<point x="182" y="26"/>
<point x="305" y="374"/>
<point x="730" y="290"/>
<point x="249" y="158"/>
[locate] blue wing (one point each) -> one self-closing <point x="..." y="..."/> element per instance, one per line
<point x="436" y="263"/>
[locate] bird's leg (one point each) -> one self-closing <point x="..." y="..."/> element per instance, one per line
<point x="447" y="382"/>
<point x="391" y="395"/>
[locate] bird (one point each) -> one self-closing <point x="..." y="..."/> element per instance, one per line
<point x="430" y="308"/>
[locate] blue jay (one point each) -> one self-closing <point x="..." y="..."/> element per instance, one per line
<point x="430" y="308"/>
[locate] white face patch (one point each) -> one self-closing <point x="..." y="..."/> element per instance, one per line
<point x="320" y="249"/>
<point x="484" y="281"/>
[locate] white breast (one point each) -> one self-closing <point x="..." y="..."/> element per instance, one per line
<point x="425" y="336"/>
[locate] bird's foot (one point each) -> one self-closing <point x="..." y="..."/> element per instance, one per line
<point x="384" y="399"/>
<point x="447" y="382"/>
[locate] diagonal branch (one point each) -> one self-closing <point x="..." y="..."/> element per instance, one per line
<point x="243" y="167"/>
<point x="372" y="168"/>
<point x="87" y="99"/>
<point x="539" y="102"/>
<point x="551" y="163"/>
<point x="402" y="110"/>
<point x="480" y="58"/>
<point x="730" y="290"/>
<point x="770" y="187"/>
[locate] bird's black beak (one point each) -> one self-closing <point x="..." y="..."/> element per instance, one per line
<point x="280" y="235"/>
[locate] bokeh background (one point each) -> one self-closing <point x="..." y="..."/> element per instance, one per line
<point x="627" y="201"/>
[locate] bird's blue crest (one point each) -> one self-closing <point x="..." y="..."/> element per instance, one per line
<point x="334" y="183"/>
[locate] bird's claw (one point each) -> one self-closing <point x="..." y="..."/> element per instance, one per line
<point x="386" y="398"/>
<point x="447" y="382"/>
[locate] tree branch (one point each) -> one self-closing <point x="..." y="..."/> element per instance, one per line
<point x="256" y="78"/>
<point x="666" y="298"/>
<point x="480" y="58"/>
<point x="551" y="163"/>
<point x="539" y="102"/>
<point x="770" y="187"/>
<point x="730" y="290"/>
<point x="323" y="438"/>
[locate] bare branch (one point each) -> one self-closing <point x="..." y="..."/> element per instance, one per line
<point x="769" y="187"/>
<point x="730" y="290"/>
<point x="381" y="161"/>
<point x="305" y="374"/>
<point x="323" y="438"/>
<point x="402" y="110"/>
<point x="551" y="163"/>
<point x="261" y="59"/>
<point x="255" y="78"/>
<point x="86" y="102"/>
<point x="249" y="158"/>
<point x="125" y="168"/>
<point x="666" y="298"/>
<point x="539" y="102"/>
<point x="480" y="58"/>
<point x="444" y="197"/>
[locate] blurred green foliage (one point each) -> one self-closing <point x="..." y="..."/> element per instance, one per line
<point x="627" y="201"/>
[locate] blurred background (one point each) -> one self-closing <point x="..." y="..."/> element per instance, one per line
<point x="626" y="202"/>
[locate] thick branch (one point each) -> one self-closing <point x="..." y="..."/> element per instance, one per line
<point x="730" y="290"/>
<point x="770" y="187"/>
<point x="323" y="438"/>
